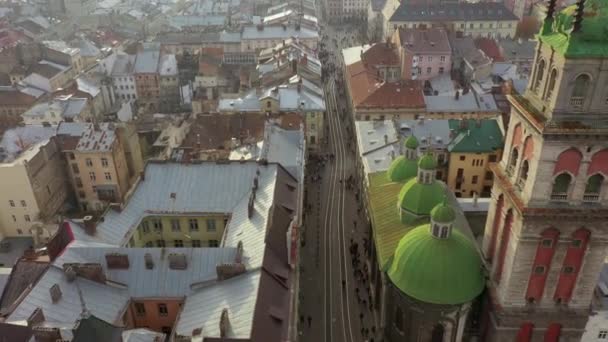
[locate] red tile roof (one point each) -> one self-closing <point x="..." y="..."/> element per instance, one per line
<point x="490" y="48"/>
<point x="369" y="91"/>
<point x="381" y="54"/>
<point x="15" y="98"/>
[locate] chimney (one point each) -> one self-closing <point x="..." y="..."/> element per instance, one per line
<point x="299" y="86"/>
<point x="386" y="139"/>
<point x="475" y="199"/>
<point x="227" y="271"/>
<point x="89" y="225"/>
<point x="117" y="261"/>
<point x="178" y="261"/>
<point x="224" y="323"/>
<point x="70" y="274"/>
<point x="457" y="95"/>
<point x="304" y="60"/>
<point x="55" y="292"/>
<point x="294" y="66"/>
<point x="238" y="258"/>
<point x="36" y="318"/>
<point x="149" y="261"/>
<point x="250" y="204"/>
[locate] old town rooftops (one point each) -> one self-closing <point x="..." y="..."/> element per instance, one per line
<point x="97" y="138"/>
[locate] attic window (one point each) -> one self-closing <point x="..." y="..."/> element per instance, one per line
<point x="177" y="261"/>
<point x="117" y="261"/>
<point x="173" y="195"/>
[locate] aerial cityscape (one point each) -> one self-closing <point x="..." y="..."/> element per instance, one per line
<point x="304" y="170"/>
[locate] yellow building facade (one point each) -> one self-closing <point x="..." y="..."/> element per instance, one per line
<point x="469" y="173"/>
<point x="180" y="231"/>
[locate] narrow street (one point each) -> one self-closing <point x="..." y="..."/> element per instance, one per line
<point x="334" y="292"/>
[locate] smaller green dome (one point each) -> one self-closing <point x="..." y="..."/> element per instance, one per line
<point x="438" y="271"/>
<point x="411" y="142"/>
<point x="443" y="212"/>
<point x="427" y="162"/>
<point x="402" y="169"/>
<point x="419" y="198"/>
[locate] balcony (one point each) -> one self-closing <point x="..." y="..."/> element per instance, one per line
<point x="591" y="197"/>
<point x="559" y="196"/>
<point x="577" y="101"/>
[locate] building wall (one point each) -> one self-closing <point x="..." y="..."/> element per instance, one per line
<point x="493" y="28"/>
<point x="116" y="169"/>
<point x="314" y="129"/>
<point x="124" y="87"/>
<point x="148" y="90"/>
<point x="248" y="45"/>
<point x="477" y="177"/>
<point x="169" y="93"/>
<point x="16" y="217"/>
<point x="50" y="184"/>
<point x="151" y="317"/>
<point x="147" y="235"/>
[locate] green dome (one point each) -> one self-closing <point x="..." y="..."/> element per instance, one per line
<point x="427" y="162"/>
<point x="402" y="169"/>
<point x="590" y="40"/>
<point x="411" y="142"/>
<point x="419" y="198"/>
<point x="443" y="212"/>
<point x="438" y="271"/>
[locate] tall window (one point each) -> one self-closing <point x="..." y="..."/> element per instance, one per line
<point x="175" y="227"/>
<point x="561" y="185"/>
<point x="437" y="334"/>
<point x="178" y="243"/>
<point x="552" y="80"/>
<point x="523" y="174"/>
<point x="211" y="226"/>
<point x="581" y="86"/>
<point x="158" y="225"/>
<point x="89" y="162"/>
<point x="193" y="225"/>
<point x="540" y="74"/>
<point x="513" y="161"/>
<point x="162" y="309"/>
<point x="399" y="319"/>
<point x="140" y="309"/>
<point x="593" y="188"/>
<point x="92" y="176"/>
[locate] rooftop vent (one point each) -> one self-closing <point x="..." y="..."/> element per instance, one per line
<point x="55" y="292"/>
<point x="89" y="225"/>
<point x="177" y="261"/>
<point x="173" y="195"/>
<point x="224" y="323"/>
<point x="117" y="261"/>
<point x="70" y="274"/>
<point x="149" y="261"/>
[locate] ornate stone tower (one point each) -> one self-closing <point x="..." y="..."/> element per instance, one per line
<point x="547" y="230"/>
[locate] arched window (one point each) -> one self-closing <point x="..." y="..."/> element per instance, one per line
<point x="399" y="319"/>
<point x="513" y="161"/>
<point x="523" y="174"/>
<point x="540" y="73"/>
<point x="437" y="334"/>
<point x="561" y="185"/>
<point x="552" y="80"/>
<point x="593" y="188"/>
<point x="581" y="86"/>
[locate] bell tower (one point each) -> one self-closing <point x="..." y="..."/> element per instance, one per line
<point x="546" y="234"/>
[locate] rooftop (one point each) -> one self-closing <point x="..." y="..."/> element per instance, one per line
<point x="278" y="32"/>
<point x="425" y="41"/>
<point x="97" y="138"/>
<point x="380" y="54"/>
<point x="62" y="107"/>
<point x="147" y="62"/>
<point x="20" y="144"/>
<point x="482" y="11"/>
<point x="476" y="136"/>
<point x="61" y="46"/>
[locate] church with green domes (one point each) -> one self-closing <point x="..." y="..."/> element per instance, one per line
<point x="426" y="269"/>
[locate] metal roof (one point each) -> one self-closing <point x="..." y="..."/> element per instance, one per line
<point x="204" y="308"/>
<point x="161" y="281"/>
<point x="147" y="62"/>
<point x="229" y="183"/>
<point x="103" y="301"/>
<point x="97" y="138"/>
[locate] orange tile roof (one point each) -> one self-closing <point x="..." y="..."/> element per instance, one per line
<point x="369" y="91"/>
<point x="381" y="54"/>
